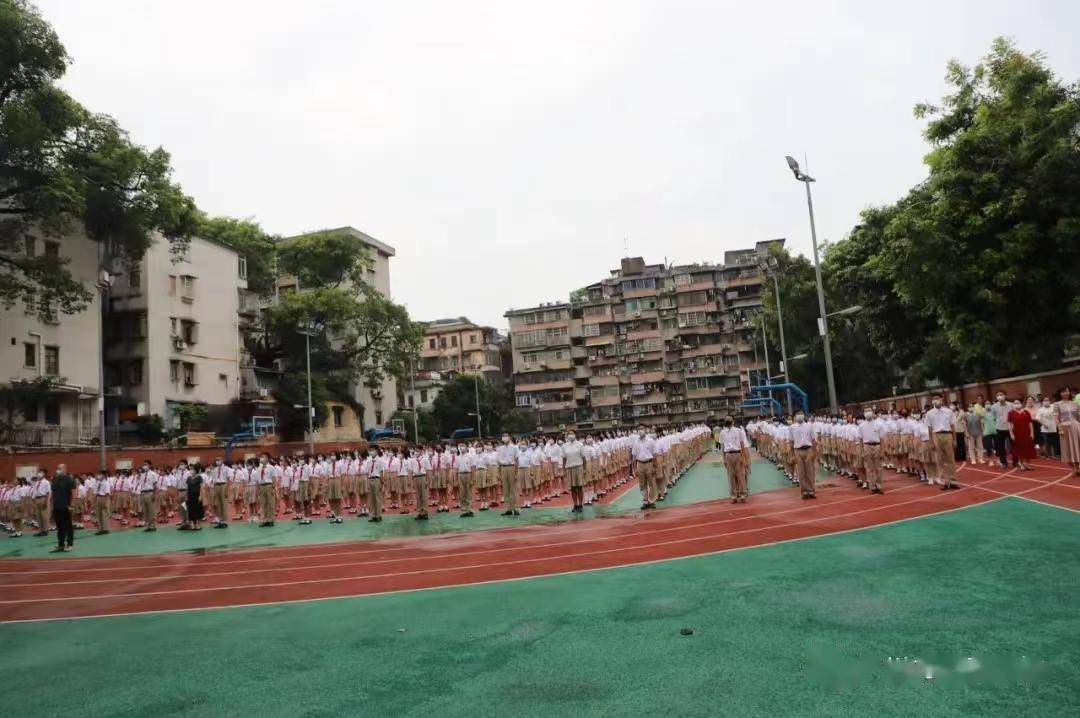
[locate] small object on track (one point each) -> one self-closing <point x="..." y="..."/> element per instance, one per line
<point x="686" y="631"/>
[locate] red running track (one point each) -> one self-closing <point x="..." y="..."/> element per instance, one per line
<point x="85" y="587"/>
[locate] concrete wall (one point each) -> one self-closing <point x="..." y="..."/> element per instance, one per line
<point x="75" y="335"/>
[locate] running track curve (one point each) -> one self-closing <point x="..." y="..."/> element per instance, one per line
<point x="40" y="589"/>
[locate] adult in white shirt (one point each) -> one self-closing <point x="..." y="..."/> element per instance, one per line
<point x="733" y="442"/>
<point x="379" y="464"/>
<point x="643" y="451"/>
<point x="939" y="420"/>
<point x="219" y="477"/>
<point x="41" y="492"/>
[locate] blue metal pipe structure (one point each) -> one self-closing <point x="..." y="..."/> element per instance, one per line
<point x="763" y="401"/>
<point x="787" y="387"/>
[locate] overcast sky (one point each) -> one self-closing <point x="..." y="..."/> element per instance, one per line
<point x="506" y="149"/>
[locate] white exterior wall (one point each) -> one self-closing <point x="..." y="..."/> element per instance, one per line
<point x="213" y="307"/>
<point x="76" y="336"/>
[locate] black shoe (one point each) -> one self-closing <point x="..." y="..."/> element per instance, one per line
<point x="150" y="528"/>
<point x="645" y="506"/>
<point x="517" y="513"/>
<point x="220" y="525"/>
<point x="467" y="515"/>
<point x="375" y="519"/>
<point x="101" y="532"/>
<point x="42" y="533"/>
<point x="58" y="549"/>
<point x="944" y="487"/>
<point x="266" y="524"/>
<point x="422" y="517"/>
<point x="507" y="513"/>
<point x="877" y="491"/>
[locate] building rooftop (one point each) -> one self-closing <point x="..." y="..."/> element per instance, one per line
<point x="380" y="247"/>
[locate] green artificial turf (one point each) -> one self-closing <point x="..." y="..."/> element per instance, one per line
<point x="705" y="481"/>
<point x="802" y="628"/>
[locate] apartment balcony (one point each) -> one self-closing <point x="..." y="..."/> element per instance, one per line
<point x="610" y="380"/>
<point x="600" y="340"/>
<point x="744" y="302"/>
<point x="563" y="384"/>
<point x="650" y="399"/>
<point x="697" y="286"/>
<point x="706" y="350"/>
<point x="643" y="334"/>
<point x="700" y="307"/>
<point x="603" y="360"/>
<point x="582" y="372"/>
<point x="578" y="352"/>
<point x="604" y="316"/>
<point x="546" y="365"/>
<point x="638" y="293"/>
<point x="748" y="281"/>
<point x="553" y="405"/>
<point x="673" y="377"/>
<point x="613" y="400"/>
<point x="582" y="393"/>
<point x="637" y="314"/>
<point x="714" y="392"/>
<point x="648" y="377"/>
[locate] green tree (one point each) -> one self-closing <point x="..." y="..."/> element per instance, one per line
<point x="458" y="399"/>
<point x="426" y="423"/>
<point x="64" y="168"/>
<point x="975" y="272"/>
<point x="192" y="417"/>
<point x="251" y="242"/>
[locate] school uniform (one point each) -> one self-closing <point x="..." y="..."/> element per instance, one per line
<point x="219" y="477"/>
<point x="149" y="485"/>
<point x="939" y="421"/>
<point x="262" y="477"/>
<point x="573" y="463"/>
<point x="419" y="468"/>
<point x="506" y="456"/>
<point x="732" y="441"/>
<point x="465" y="464"/>
<point x="870" y="440"/>
<point x="644" y="452"/>
<point x="802" y="442"/>
<point x="375" y="491"/>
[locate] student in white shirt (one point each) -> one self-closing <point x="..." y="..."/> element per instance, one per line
<point x="465" y="462"/>
<point x="379" y="464"/>
<point x="149" y="485"/>
<point x="506" y="457"/>
<point x="573" y="465"/>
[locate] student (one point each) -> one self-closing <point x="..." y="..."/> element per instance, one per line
<point x="363" y="460"/>
<point x="973" y="436"/>
<point x="262" y="478"/>
<point x="219" y="493"/>
<point x="506" y="456"/>
<point x="802" y="441"/>
<point x="1048" y="424"/>
<point x="465" y="461"/>
<point x="193" y="509"/>
<point x="732" y="441"/>
<point x="1000" y="410"/>
<point x="102" y="497"/>
<point x="379" y="464"/>
<point x="573" y="465"/>
<point x="939" y="420"/>
<point x="870" y="449"/>
<point x="41" y="491"/>
<point x="419" y="467"/>
<point x="306" y="492"/>
<point x="149" y="485"/>
<point x="644" y="448"/>
<point x="334" y="486"/>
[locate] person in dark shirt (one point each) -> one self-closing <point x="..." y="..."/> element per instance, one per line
<point x="63" y="489"/>
<point x="194" y="511"/>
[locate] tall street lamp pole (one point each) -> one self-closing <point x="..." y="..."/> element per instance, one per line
<point x="770" y="268"/>
<point x="104" y="285"/>
<point x="308" y="329"/>
<point x="823" y="320"/>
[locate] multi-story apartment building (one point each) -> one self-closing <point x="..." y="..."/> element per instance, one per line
<point x="174" y="330"/>
<point x="452" y="347"/>
<point x="380" y="401"/>
<point x="66" y="348"/>
<point x="651" y="344"/>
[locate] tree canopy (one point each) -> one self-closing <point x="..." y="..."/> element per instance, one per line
<point x="65" y="168"/>
<point x="975" y="272"/>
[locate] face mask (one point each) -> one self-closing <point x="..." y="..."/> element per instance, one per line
<point x="936" y="403"/>
<point x="1001" y="399"/>
<point x="506" y="439"/>
<point x="262" y="460"/>
<point x="868" y="414"/>
<point x="569" y="437"/>
<point x="799" y="418"/>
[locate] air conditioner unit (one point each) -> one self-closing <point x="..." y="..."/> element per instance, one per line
<point x="264" y="393"/>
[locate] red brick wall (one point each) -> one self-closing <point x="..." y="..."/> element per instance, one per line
<point x="1046" y="383"/>
<point x="83" y="460"/>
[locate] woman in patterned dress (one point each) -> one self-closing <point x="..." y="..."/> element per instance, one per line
<point x="1067" y="415"/>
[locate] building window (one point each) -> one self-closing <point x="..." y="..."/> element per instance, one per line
<point x="339" y="415"/>
<point x="189" y="373"/>
<point x="189" y="331"/>
<point x="172" y="285"/>
<point x="135" y="276"/>
<point x="411" y="402"/>
<point x="241" y="267"/>
<point x="29" y="355"/>
<point x="453" y="341"/>
<point x="52" y="361"/>
<point x="52" y="250"/>
<point x="423" y="396"/>
<point x="442" y="342"/>
<point x="30" y="303"/>
<point x="472" y="339"/>
<point x="187" y="288"/>
<point x="52" y="413"/>
<point x="135" y="373"/>
<point x="378" y="417"/>
<point x="29" y="246"/>
<point x="174" y="371"/>
<point x="524" y="400"/>
<point x="29" y="411"/>
<point x="431" y="343"/>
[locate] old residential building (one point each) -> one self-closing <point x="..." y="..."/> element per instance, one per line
<point x="66" y="347"/>
<point x="650" y="344"/>
<point x="378" y="402"/>
<point x="452" y="347"/>
<point x="174" y="330"/>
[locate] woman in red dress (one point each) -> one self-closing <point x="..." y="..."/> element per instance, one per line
<point x="1022" y="433"/>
